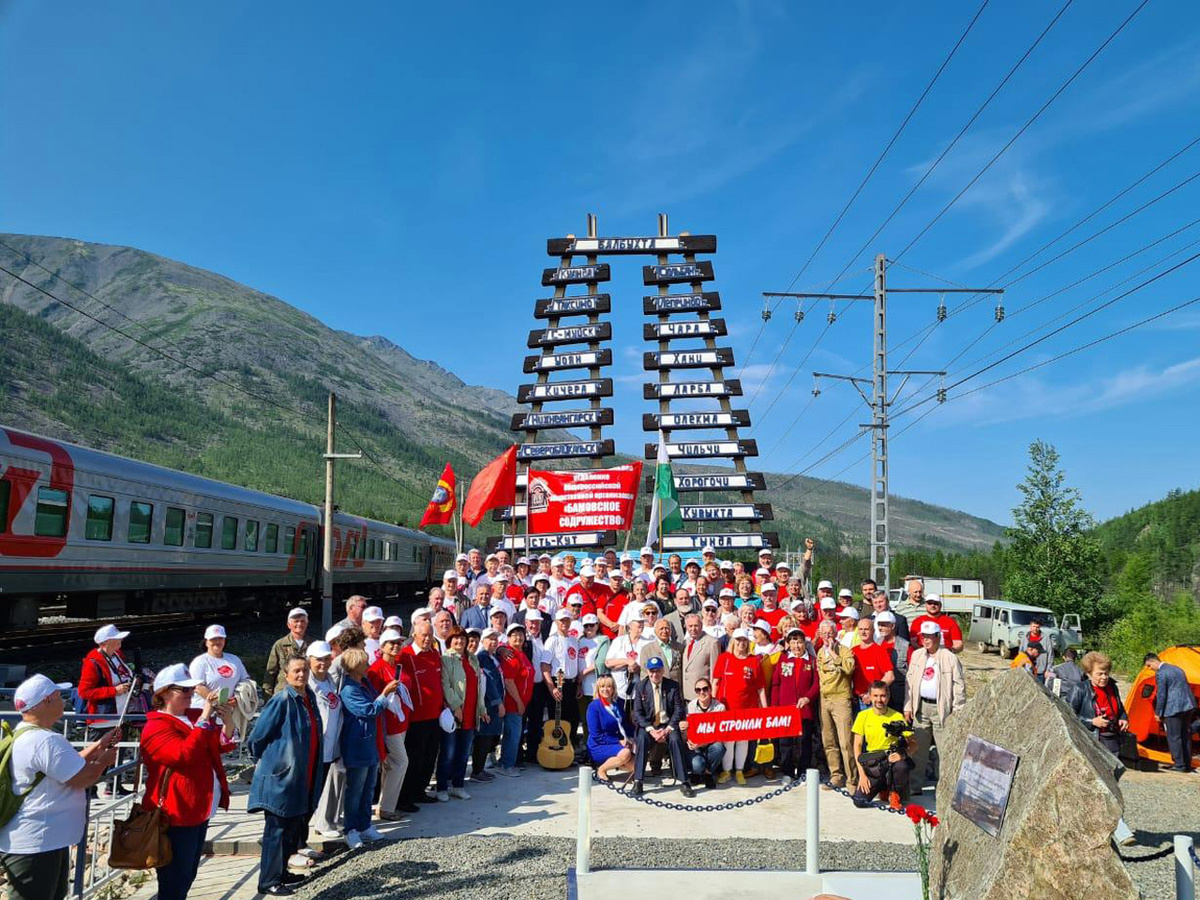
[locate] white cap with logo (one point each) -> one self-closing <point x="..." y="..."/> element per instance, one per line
<point x="110" y="633"/>
<point x="34" y="690"/>
<point x="298" y="613"/>
<point x="319" y="649"/>
<point x="176" y="675"/>
<point x="214" y="631"/>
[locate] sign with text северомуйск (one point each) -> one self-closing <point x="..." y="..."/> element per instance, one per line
<point x="583" y="500"/>
<point x="744" y="725"/>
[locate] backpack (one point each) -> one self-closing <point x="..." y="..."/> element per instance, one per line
<point x="10" y="800"/>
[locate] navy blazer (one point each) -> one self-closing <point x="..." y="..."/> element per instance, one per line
<point x="672" y="701"/>
<point x="280" y="742"/>
<point x="1173" y="693"/>
<point x="493" y="695"/>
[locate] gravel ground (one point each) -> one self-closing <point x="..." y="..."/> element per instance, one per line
<point x="1158" y="805"/>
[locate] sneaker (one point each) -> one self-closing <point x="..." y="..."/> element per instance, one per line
<point x="508" y="772"/>
<point x="299" y="861"/>
<point x="739" y="776"/>
<point x="785" y="780"/>
<point x="443" y="796"/>
<point x="459" y="793"/>
<point x="893" y="800"/>
<point x="353" y="840"/>
<point x="483" y="777"/>
<point x="329" y="835"/>
<point x="278" y="890"/>
<point x="311" y="853"/>
<point x="371" y="834"/>
<point x="723" y="777"/>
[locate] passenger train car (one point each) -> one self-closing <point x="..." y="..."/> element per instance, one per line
<point x="112" y="536"/>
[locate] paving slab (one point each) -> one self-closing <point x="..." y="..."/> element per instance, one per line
<point x="698" y="884"/>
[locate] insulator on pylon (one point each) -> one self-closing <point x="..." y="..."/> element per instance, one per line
<point x="816" y="389"/>
<point x="941" y="395"/>
<point x="941" y="313"/>
<point x="766" y="313"/>
<point x="999" y="312"/>
<point x="832" y="317"/>
<point x="799" y="314"/>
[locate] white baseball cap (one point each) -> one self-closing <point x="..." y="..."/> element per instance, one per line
<point x="419" y="612"/>
<point x="707" y="549"/>
<point x="845" y="592"/>
<point x="450" y="575"/>
<point x="177" y="675"/>
<point x="765" y="551"/>
<point x="710" y="602"/>
<point x="318" y="649"/>
<point x="489" y="632"/>
<point x="635" y="616"/>
<point x="587" y="571"/>
<point x="590" y="619"/>
<point x="725" y="564"/>
<point x="933" y="598"/>
<point x="885" y="616"/>
<point x="34" y="690"/>
<point x="728" y="592"/>
<point x="847" y="612"/>
<point x="462" y="557"/>
<point x="544" y="556"/>
<point x="390" y="635"/>
<point x="763" y="625"/>
<point x="501" y="576"/>
<point x="796" y="604"/>
<point x="334" y="633"/>
<point x="393" y="622"/>
<point x="825" y="586"/>
<point x="532" y="616"/>
<point x="214" y="631"/>
<point x="930" y="627"/>
<point x="782" y="565"/>
<point x="762" y="572"/>
<point x="491" y="556"/>
<point x="522" y="560"/>
<point x="111" y="633"/>
<point x="769" y="586"/>
<point x="563" y="613"/>
<point x="541" y="576"/>
<point x="645" y="551"/>
<point x="743" y="633"/>
<point x="497" y="611"/>
<point x="515" y="626"/>
<point x="298" y="613"/>
<point x="692" y="562"/>
<point x="828" y="603"/>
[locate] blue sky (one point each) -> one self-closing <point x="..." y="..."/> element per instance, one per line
<point x="396" y="169"/>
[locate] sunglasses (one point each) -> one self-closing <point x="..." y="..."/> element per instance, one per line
<point x="703" y="690"/>
<point x="183" y="690"/>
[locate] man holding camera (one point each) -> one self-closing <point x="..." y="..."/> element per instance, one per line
<point x="883" y="743"/>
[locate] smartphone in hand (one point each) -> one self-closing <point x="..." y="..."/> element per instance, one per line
<point x="223" y="696"/>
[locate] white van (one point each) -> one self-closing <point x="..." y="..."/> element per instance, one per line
<point x="999" y="625"/>
<point x="958" y="594"/>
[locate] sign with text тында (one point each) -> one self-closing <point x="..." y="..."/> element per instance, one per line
<point x="748" y="540"/>
<point x="744" y="725"/>
<point x="584" y="500"/>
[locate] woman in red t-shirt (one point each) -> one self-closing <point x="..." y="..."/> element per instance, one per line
<point x="518" y="688"/>
<point x="738" y="683"/>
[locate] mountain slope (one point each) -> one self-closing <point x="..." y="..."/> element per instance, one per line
<point x="259" y="419"/>
<point x="1167" y="533"/>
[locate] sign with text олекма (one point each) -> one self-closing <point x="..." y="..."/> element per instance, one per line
<point x="586" y="500"/>
<point x="744" y="725"/>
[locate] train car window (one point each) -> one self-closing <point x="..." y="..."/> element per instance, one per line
<point x="289" y="539"/>
<point x="229" y="530"/>
<point x="173" y="528"/>
<point x="99" y="519"/>
<point x="362" y="548"/>
<point x="204" y="530"/>
<point x="140" y="517"/>
<point x="371" y="548"/>
<point x="53" y="506"/>
<point x="272" y="539"/>
<point x="251" y="541"/>
<point x="303" y="541"/>
<point x="5" y="487"/>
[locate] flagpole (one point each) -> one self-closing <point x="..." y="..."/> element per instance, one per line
<point x="456" y="522"/>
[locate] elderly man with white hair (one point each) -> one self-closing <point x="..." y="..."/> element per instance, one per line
<point x="294" y="643"/>
<point x="355" y="605"/>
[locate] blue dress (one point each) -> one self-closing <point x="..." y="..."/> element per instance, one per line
<point x="605" y="730"/>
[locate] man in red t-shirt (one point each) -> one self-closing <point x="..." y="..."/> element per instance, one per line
<point x="872" y="661"/>
<point x="770" y="610"/>
<point x="421" y="672"/>
<point x="952" y="638"/>
<point x="596" y="596"/>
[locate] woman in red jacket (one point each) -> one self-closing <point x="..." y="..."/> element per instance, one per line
<point x="738" y="683"/>
<point x="794" y="682"/>
<point x="184" y="776"/>
<point x="105" y="678"/>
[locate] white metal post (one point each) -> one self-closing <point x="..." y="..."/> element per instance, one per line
<point x="583" y="837"/>
<point x="812" y="841"/>
<point x="1185" y="875"/>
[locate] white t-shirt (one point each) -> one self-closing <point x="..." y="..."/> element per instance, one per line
<point x="216" y="800"/>
<point x="929" y="679"/>
<point x="52" y="815"/>
<point x="715" y="631"/>
<point x="557" y="593"/>
<point x="371" y="646"/>
<point x="624" y="648"/>
<point x="329" y="704"/>
<point x="587" y="650"/>
<point x="536" y="656"/>
<point x="562" y="654"/>
<point x="216" y="673"/>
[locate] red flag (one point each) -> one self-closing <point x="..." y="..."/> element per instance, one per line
<point x="441" y="508"/>
<point x="495" y="485"/>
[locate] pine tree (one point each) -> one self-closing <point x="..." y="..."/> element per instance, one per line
<point x="1054" y="561"/>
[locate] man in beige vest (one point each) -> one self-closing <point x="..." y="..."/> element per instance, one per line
<point x="700" y="652"/>
<point x="937" y="688"/>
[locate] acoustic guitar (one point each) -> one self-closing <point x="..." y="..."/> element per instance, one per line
<point x="555" y="750"/>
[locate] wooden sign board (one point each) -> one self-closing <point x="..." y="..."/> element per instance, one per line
<point x="665" y="304"/>
<point x="676" y="273"/>
<point x="564" y="390"/>
<point x="565" y="450"/>
<point x="670" y="331"/>
<point x="734" y="481"/>
<point x="555" y="362"/>
<point x="550" y="307"/>
<point x="551" y="542"/>
<point x="724" y="512"/>
<point x="738" y="418"/>
<point x="576" y="274"/>
<point x="570" y="334"/>
<point x="680" y="390"/>
<point x="688" y="359"/>
<point x="584" y="418"/>
<point x="706" y="449"/>
<point x="732" y="541"/>
<point x="627" y="246"/>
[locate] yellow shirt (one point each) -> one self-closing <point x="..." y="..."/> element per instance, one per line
<point x="870" y="724"/>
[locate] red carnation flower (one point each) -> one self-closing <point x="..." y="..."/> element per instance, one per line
<point x="933" y="821"/>
<point x="915" y="813"/>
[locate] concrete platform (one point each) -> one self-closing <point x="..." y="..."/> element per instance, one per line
<point x="697" y="884"/>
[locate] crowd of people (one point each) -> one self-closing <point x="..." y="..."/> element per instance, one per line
<point x="382" y="715"/>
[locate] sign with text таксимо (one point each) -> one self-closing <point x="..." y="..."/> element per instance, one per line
<point x="582" y="305"/>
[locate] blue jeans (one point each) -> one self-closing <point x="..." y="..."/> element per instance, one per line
<point x="281" y="838"/>
<point x="176" y="877"/>
<point x="510" y="742"/>
<point x="706" y="757"/>
<point x="452" y="761"/>
<point x="359" y="790"/>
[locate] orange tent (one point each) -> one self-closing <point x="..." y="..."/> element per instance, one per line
<point x="1139" y="703"/>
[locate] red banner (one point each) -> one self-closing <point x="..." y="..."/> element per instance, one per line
<point x="743" y="725"/>
<point x="586" y="500"/>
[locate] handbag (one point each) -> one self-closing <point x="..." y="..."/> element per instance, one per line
<point x="140" y="841"/>
<point x="764" y="753"/>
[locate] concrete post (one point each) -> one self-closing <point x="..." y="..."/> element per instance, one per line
<point x="812" y="841"/>
<point x="583" y="837"/>
<point x="1185" y="874"/>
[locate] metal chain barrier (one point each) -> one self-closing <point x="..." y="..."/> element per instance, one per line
<point x="1195" y="858"/>
<point x="1161" y="854"/>
<point x="736" y="804"/>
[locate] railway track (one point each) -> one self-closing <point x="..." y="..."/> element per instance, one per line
<point x="68" y="635"/>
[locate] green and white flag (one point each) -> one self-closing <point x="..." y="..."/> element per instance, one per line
<point x="664" y="508"/>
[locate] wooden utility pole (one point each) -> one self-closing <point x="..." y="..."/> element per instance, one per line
<point x="327" y="557"/>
